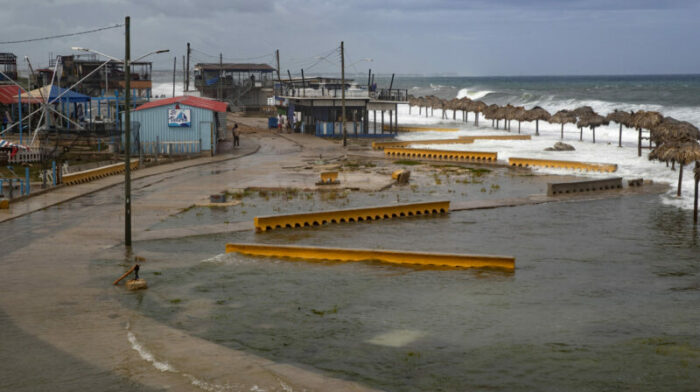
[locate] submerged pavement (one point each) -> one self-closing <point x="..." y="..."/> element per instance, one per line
<point x="48" y="294"/>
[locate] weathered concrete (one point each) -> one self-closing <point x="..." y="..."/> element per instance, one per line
<point x="605" y="184"/>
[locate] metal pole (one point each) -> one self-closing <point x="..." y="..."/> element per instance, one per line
<point x="19" y="99"/>
<point x="127" y="133"/>
<point x="303" y="82"/>
<point x="342" y="81"/>
<point x="277" y="55"/>
<point x="221" y="68"/>
<point x="184" y="75"/>
<point x="187" y="69"/>
<point x="174" y="70"/>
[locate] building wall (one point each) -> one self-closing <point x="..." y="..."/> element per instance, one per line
<point x="154" y="122"/>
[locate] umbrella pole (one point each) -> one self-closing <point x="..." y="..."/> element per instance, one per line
<point x="580" y="137"/>
<point x="593" y="129"/>
<point x="695" y="202"/>
<point x="562" y="132"/>
<point x="680" y="178"/>
<point x="639" y="142"/>
<point x="619" y="143"/>
<point x="537" y="127"/>
<point x="519" y="126"/>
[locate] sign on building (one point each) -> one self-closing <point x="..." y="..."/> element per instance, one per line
<point x="179" y="118"/>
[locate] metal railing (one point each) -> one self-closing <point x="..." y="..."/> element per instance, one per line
<point x="400" y="95"/>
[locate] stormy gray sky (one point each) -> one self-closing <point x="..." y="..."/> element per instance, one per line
<point x="479" y="37"/>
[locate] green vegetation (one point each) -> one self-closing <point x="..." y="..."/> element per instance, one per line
<point x="325" y="312"/>
<point x="175" y="301"/>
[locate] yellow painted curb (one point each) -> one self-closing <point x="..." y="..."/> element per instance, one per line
<point x="309" y="219"/>
<point x="96" y="173"/>
<point x="571" y="165"/>
<point x="387" y="256"/>
<point x="441" y="155"/>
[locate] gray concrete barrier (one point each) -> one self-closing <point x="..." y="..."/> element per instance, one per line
<point x="560" y="188"/>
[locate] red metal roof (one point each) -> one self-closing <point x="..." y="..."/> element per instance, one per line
<point x="197" y="102"/>
<point x="8" y="92"/>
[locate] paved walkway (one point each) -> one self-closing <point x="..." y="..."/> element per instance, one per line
<point x="66" y="193"/>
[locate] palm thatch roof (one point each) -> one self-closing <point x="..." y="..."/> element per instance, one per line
<point x="683" y="153"/>
<point x="583" y="111"/>
<point x="477" y="106"/>
<point x="592" y="120"/>
<point x="563" y="117"/>
<point x="536" y="113"/>
<point x="620" y="117"/>
<point x="646" y="120"/>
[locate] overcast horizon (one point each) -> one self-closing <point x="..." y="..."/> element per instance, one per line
<point x="409" y="38"/>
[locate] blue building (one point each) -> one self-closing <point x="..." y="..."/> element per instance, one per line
<point x="179" y="125"/>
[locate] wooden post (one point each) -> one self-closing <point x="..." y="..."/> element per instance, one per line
<point x="396" y="121"/>
<point x="277" y="55"/>
<point x="593" y="129"/>
<point x="537" y="127"/>
<point x="639" y="142"/>
<point x="187" y="69"/>
<point x="695" y="202"/>
<point x="391" y="121"/>
<point x="580" y="137"/>
<point x="562" y="131"/>
<point x="303" y="83"/>
<point x="680" y="177"/>
<point x="619" y="143"/>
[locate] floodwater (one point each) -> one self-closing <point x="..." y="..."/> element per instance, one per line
<point x="428" y="183"/>
<point x="604" y="297"/>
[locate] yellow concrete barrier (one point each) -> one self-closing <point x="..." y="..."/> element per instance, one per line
<point x="329" y="178"/>
<point x="266" y="223"/>
<point x="497" y="137"/>
<point x="386" y="256"/>
<point x="405" y="143"/>
<point x="421" y="129"/>
<point x="98" y="172"/>
<point x="571" y="165"/>
<point x="441" y="155"/>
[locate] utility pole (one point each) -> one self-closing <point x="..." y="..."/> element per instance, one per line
<point x="127" y="133"/>
<point x="221" y="73"/>
<point x="184" y="74"/>
<point x="187" y="69"/>
<point x="277" y="55"/>
<point x="342" y="89"/>
<point x="174" y="70"/>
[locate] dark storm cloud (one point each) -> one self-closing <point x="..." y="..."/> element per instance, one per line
<point x="403" y="36"/>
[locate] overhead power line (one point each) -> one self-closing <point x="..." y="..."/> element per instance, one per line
<point x="61" y="35"/>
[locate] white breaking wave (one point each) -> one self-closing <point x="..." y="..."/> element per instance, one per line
<point x="604" y="150"/>
<point x="166" y="89"/>
<point x="147" y="356"/>
<point x="473" y="95"/>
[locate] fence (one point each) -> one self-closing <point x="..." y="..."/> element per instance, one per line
<point x="25" y="157"/>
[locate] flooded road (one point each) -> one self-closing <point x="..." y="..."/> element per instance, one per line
<point x="604" y="295"/>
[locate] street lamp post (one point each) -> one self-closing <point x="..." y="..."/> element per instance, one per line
<point x="127" y="121"/>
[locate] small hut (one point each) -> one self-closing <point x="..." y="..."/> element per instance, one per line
<point x="593" y="121"/>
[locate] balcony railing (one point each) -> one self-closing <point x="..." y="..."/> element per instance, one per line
<point x="336" y="93"/>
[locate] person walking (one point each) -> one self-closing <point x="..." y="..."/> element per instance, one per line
<point x="236" y="135"/>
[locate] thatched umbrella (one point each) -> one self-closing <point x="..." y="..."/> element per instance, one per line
<point x="683" y="153"/>
<point x="645" y="120"/>
<point x="490" y="113"/>
<point x="536" y="114"/>
<point x="582" y="111"/>
<point x="518" y="114"/>
<point x="563" y="117"/>
<point x="463" y="105"/>
<point x="593" y="121"/>
<point x="621" y="117"/>
<point x="477" y="107"/>
<point x="509" y="115"/>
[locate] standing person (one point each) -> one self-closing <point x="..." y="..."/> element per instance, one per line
<point x="236" y="135"/>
